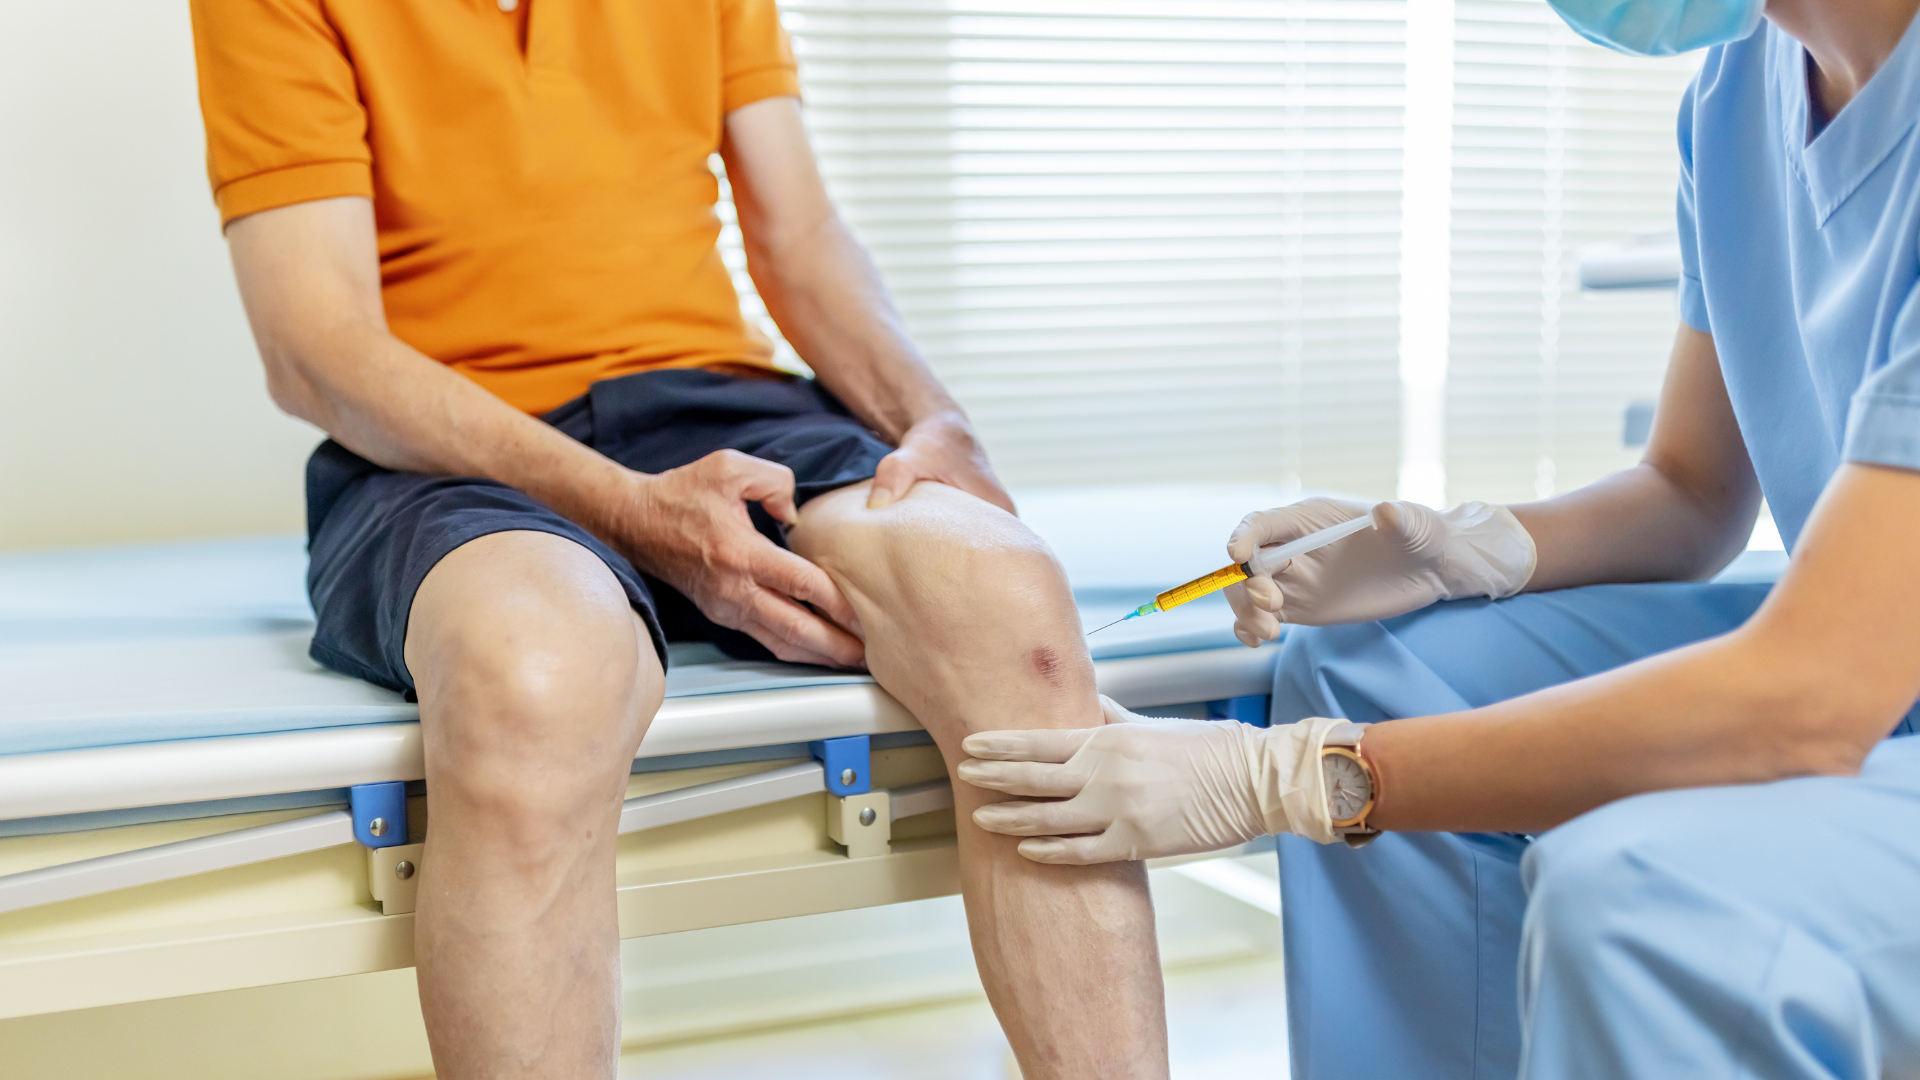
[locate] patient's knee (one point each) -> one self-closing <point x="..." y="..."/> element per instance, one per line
<point x="536" y="683"/>
<point x="534" y="755"/>
<point x="958" y="599"/>
<point x="940" y="551"/>
<point x="564" y="673"/>
<point x="526" y="624"/>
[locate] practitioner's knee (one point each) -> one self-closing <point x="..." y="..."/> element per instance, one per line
<point x="954" y="592"/>
<point x="1597" y="885"/>
<point x="536" y="681"/>
<point x="1297" y="690"/>
<point x="1442" y="658"/>
<point x="1348" y="671"/>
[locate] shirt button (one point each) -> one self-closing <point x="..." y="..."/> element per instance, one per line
<point x="509" y="5"/>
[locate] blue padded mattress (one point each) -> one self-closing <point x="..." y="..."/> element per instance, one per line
<point x="163" y="642"/>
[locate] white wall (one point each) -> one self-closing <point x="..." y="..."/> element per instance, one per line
<point x="131" y="403"/>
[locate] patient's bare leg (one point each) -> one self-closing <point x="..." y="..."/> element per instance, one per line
<point x="969" y="622"/>
<point x="536" y="682"/>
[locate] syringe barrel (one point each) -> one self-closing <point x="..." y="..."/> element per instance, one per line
<point x="1199" y="587"/>
<point x="1264" y="561"/>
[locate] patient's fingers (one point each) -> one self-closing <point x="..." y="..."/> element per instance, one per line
<point x="783" y="650"/>
<point x="1040" y="818"/>
<point x="791" y="575"/>
<point x="892" y="479"/>
<point x="799" y="636"/>
<point x="1031" y="778"/>
<point x="1034" y="744"/>
<point x="796" y="635"/>
<point x="1072" y="850"/>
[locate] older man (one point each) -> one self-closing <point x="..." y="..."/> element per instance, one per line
<point x="476" y="241"/>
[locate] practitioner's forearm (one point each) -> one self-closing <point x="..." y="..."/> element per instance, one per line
<point x="1814" y="680"/>
<point x="1691" y="718"/>
<point x="1680" y="515"/>
<point x="1636" y="525"/>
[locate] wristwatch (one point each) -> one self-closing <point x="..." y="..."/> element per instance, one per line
<point x="1351" y="788"/>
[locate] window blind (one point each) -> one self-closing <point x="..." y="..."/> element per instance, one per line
<point x="1557" y="144"/>
<point x="1162" y="239"/>
<point x="1139" y="239"/>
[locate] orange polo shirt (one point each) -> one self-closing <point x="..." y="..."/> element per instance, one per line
<point x="539" y="176"/>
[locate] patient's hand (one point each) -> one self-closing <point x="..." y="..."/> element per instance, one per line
<point x="941" y="447"/>
<point x="689" y="528"/>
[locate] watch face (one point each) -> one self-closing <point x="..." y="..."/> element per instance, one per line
<point x="1348" y="788"/>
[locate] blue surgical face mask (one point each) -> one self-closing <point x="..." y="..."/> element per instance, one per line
<point x="1660" y="27"/>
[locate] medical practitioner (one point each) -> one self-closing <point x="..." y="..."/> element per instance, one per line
<point x="1601" y="819"/>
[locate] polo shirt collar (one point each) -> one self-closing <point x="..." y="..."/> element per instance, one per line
<point x="1855" y="142"/>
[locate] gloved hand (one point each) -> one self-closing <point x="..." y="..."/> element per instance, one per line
<point x="1411" y="557"/>
<point x="1142" y="788"/>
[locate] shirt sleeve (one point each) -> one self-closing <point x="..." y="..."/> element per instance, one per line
<point x="756" y="60"/>
<point x="281" y="105"/>
<point x="1693" y="299"/>
<point x="1883" y="420"/>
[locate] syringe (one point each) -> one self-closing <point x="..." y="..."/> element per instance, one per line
<point x="1265" y="561"/>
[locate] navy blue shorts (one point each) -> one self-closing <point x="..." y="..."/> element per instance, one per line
<point x="373" y="533"/>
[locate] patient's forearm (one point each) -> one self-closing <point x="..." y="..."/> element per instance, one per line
<point x="816" y="279"/>
<point x="384" y="401"/>
<point x="827" y="296"/>
<point x="310" y="277"/>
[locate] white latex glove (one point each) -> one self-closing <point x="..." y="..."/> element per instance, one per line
<point x="1142" y="788"/>
<point x="1412" y="557"/>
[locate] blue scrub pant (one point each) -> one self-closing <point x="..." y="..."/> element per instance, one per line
<point x="1770" y="930"/>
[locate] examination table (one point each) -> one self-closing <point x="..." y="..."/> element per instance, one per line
<point x="189" y="805"/>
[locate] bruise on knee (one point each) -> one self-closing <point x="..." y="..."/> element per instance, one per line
<point x="1050" y="664"/>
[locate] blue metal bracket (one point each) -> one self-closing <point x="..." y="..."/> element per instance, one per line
<point x="848" y="763"/>
<point x="379" y="814"/>
<point x="1252" y="709"/>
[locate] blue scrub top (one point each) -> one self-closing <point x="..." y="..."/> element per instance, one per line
<point x="1801" y="259"/>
